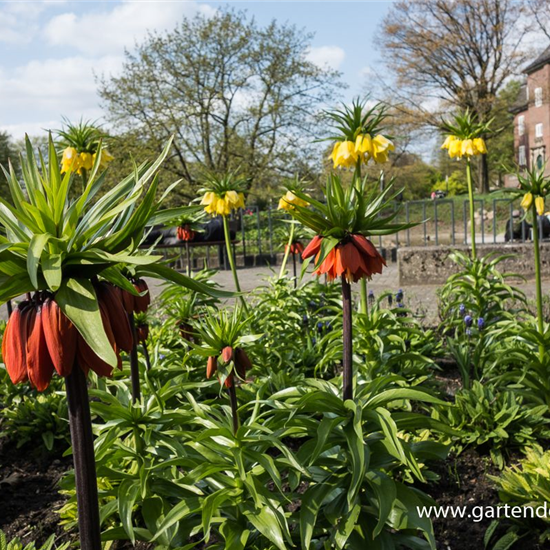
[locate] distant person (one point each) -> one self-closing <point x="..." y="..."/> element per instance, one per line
<point x="517" y="229"/>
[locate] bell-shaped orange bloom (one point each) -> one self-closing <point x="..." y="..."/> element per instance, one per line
<point x="295" y="248"/>
<point x="353" y="259"/>
<point x="111" y="300"/>
<point x="14" y="343"/>
<point x="211" y="366"/>
<point x="40" y="366"/>
<point x="185" y="233"/>
<point x="242" y="362"/>
<point x="142" y="332"/>
<point x="141" y="303"/>
<point x="60" y="336"/>
<point x="313" y="247"/>
<point x="227" y="354"/>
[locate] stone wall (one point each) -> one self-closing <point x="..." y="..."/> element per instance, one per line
<point x="430" y="265"/>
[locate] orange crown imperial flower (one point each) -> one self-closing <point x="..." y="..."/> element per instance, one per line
<point x="295" y="248"/>
<point x="354" y="259"/>
<point x="185" y="233"/>
<point x="39" y="339"/>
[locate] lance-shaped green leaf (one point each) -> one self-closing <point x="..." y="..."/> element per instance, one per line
<point x="77" y="299"/>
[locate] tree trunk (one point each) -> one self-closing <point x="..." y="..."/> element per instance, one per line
<point x="483" y="174"/>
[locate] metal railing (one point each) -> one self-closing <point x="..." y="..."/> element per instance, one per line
<point x="263" y="233"/>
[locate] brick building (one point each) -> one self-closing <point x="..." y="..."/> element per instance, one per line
<point x="532" y="115"/>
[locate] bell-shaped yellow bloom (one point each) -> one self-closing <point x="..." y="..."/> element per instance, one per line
<point x="232" y="198"/>
<point x="455" y="148"/>
<point x="479" y="146"/>
<point x="448" y="141"/>
<point x="70" y="162"/>
<point x="467" y="148"/>
<point x="381" y="146"/>
<point x="106" y="158"/>
<point x="344" y="154"/>
<point x="539" y="205"/>
<point x="290" y="200"/>
<point x="363" y="146"/>
<point x="208" y="198"/>
<point x="86" y="162"/>
<point x="527" y="201"/>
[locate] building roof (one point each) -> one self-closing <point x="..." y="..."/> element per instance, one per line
<point x="539" y="62"/>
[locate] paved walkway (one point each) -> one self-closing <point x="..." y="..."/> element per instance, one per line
<point x="421" y="299"/>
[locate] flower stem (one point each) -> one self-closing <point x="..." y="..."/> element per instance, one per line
<point x="146" y="355"/>
<point x="472" y="209"/>
<point x="363" y="283"/>
<point x="83" y="459"/>
<point x="232" y="261"/>
<point x="347" y="338"/>
<point x="364" y="300"/>
<point x="287" y="252"/>
<point x="538" y="285"/>
<point x="234" y="405"/>
<point x="134" y="365"/>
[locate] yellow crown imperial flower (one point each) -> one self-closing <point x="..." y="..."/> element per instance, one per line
<point x="86" y="162"/>
<point x="363" y="146"/>
<point x="106" y="158"/>
<point x="527" y="201"/>
<point x="448" y="141"/>
<point x="344" y="154"/>
<point x="467" y="147"/>
<point x="210" y="201"/>
<point x="455" y="148"/>
<point x="290" y="200"/>
<point x="381" y="146"/>
<point x="234" y="200"/>
<point x="479" y="146"/>
<point x="539" y="205"/>
<point x="70" y="162"/>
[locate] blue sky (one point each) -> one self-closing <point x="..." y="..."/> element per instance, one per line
<point x="49" y="51"/>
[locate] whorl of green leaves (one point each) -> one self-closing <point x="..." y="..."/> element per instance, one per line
<point x="349" y="211"/>
<point x="85" y="136"/>
<point x="532" y="181"/>
<point x="466" y="126"/>
<point x="356" y="120"/>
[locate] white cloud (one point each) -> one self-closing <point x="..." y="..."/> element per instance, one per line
<point x="331" y="56"/>
<point x="53" y="88"/>
<point x="19" y="22"/>
<point x="111" y="30"/>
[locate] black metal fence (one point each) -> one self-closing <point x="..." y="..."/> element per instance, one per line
<point x="262" y="234"/>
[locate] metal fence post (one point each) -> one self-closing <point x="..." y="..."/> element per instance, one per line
<point x="270" y="223"/>
<point x="259" y="231"/>
<point x="243" y="233"/>
<point x="424" y="222"/>
<point x="453" y="240"/>
<point x="464" y="215"/>
<point x="435" y="222"/>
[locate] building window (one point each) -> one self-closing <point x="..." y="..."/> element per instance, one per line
<point x="538" y="130"/>
<point x="527" y="93"/>
<point x="538" y="97"/>
<point x="522" y="161"/>
<point x="540" y="162"/>
<point x="521" y="125"/>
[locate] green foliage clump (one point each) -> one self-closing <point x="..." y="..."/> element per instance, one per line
<point x="495" y="421"/>
<point x="16" y="544"/>
<point x="455" y="185"/>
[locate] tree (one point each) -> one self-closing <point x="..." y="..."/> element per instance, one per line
<point x="8" y="153"/>
<point x="235" y="95"/>
<point x="452" y="54"/>
<point x="540" y="12"/>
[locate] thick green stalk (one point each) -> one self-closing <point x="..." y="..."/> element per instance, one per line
<point x="232" y="261"/>
<point x="472" y="208"/>
<point x="363" y="283"/>
<point x="540" y="318"/>
<point x="287" y="252"/>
